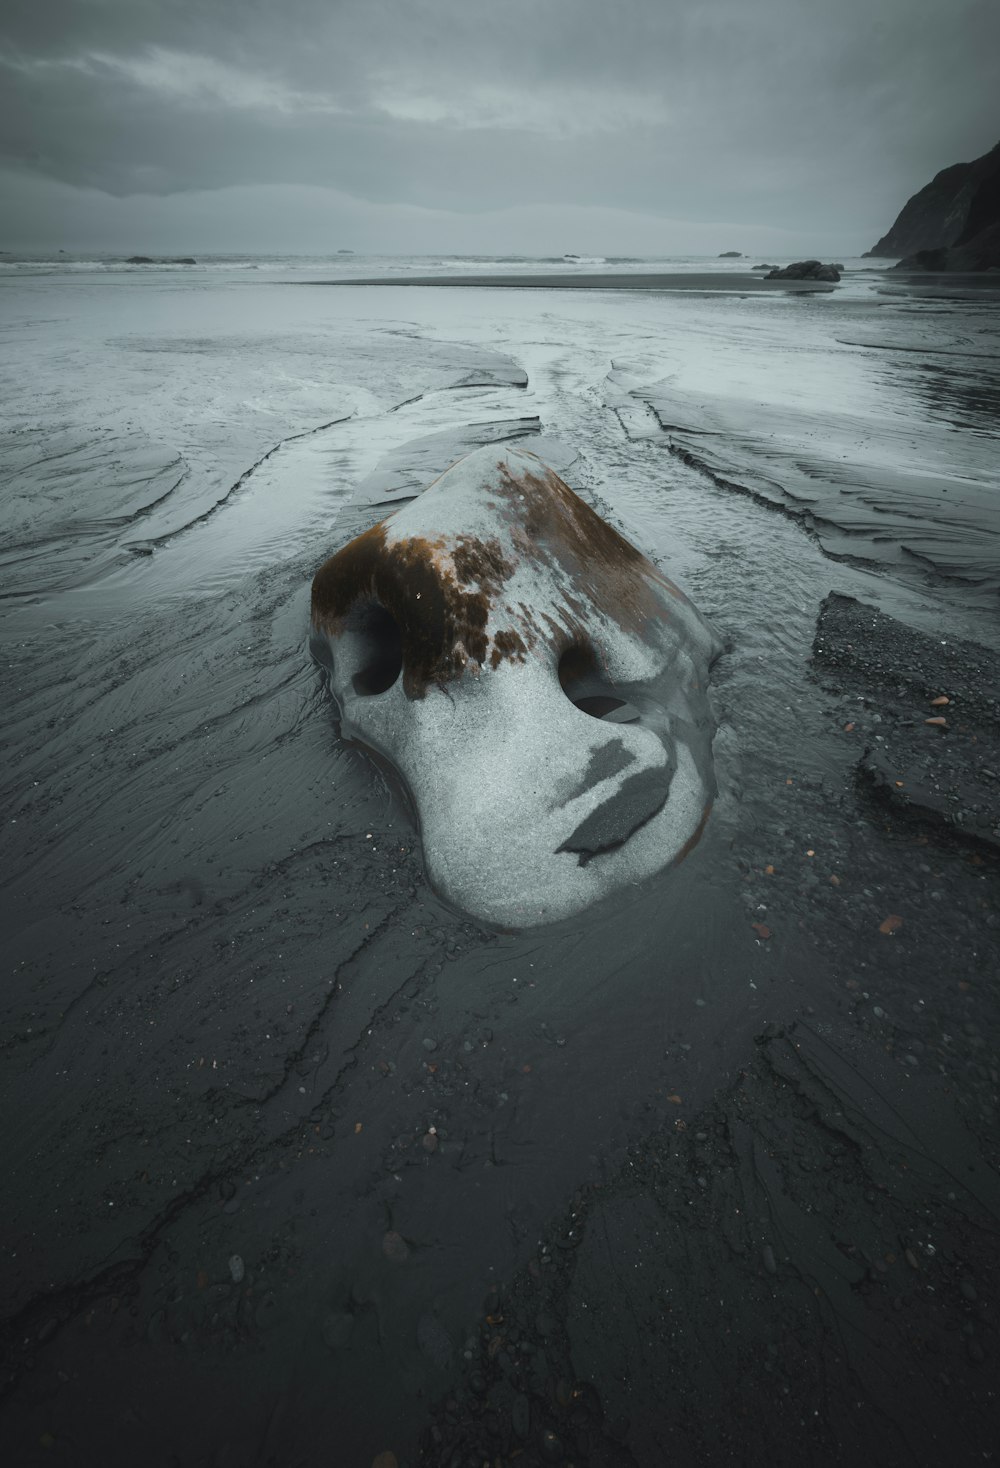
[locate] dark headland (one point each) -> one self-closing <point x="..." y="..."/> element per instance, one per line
<point x="953" y="223"/>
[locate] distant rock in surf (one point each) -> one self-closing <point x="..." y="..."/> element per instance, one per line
<point x="539" y="685"/>
<point x="765" y="266"/>
<point x="952" y="211"/>
<point x="148" y="260"/>
<point x="805" y="270"/>
<point x="731" y="255"/>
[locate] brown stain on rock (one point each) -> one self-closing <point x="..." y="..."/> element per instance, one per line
<point x="509" y="644"/>
<point x="441" y="592"/>
<point x="481" y="562"/>
<point x="442" y="623"/>
<point x="550" y="522"/>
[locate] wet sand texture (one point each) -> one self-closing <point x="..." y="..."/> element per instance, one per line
<point x="811" y="1231"/>
<point x="301" y="1166"/>
<point x="539" y="685"/>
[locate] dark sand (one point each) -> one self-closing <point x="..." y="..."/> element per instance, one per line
<point x="803" y="1271"/>
<point x="567" y="281"/>
<point x="301" y="1167"/>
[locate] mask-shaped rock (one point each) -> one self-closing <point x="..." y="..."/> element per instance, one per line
<point x="534" y="679"/>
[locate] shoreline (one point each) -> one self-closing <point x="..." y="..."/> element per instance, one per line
<point x="566" y="280"/>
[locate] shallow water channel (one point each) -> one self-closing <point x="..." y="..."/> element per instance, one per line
<point x="278" y="1119"/>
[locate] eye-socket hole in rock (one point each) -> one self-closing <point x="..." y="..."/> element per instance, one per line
<point x="379" y="643"/>
<point x="588" y="688"/>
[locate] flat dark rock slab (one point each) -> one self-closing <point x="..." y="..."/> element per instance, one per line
<point x="938" y="760"/>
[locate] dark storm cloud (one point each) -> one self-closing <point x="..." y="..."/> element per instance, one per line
<point x="777" y="111"/>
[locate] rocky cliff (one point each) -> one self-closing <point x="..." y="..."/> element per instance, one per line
<point x="959" y="205"/>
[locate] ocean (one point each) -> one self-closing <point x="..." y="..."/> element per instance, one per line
<point x="290" y="1143"/>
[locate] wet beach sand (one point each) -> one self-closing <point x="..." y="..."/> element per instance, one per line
<point x="301" y="1166"/>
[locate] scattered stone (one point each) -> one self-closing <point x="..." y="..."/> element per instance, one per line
<point x="805" y="270"/>
<point x="520" y="1415"/>
<point x="551" y="1446"/>
<point x="237" y="1269"/>
<point x="769" y="1261"/>
<point x="428" y="1043"/>
<point x="940" y="782"/>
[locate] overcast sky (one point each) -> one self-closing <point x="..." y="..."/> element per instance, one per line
<point x="535" y="126"/>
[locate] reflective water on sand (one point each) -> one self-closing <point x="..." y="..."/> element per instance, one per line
<point x="235" y="1012"/>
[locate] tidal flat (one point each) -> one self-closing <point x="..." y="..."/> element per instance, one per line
<point x="300" y="1165"/>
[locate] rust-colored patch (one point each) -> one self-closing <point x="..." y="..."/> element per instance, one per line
<point x="439" y="596"/>
<point x="605" y="568"/>
<point x="481" y="562"/>
<point x="442" y="626"/>
<point x="507" y="644"/>
<point x="441" y="592"/>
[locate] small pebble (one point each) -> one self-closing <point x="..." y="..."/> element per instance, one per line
<point x="968" y="1290"/>
<point x="429" y="1043"/>
<point x="552" y="1448"/>
<point x="237" y="1269"/>
<point x="520" y="1415"/>
<point x="770" y="1263"/>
